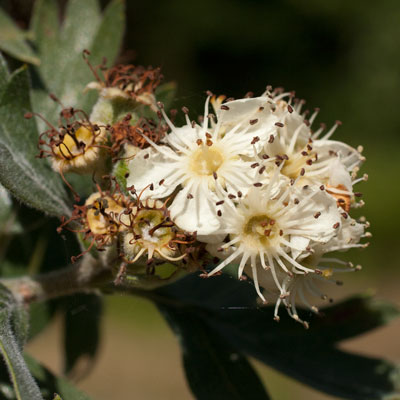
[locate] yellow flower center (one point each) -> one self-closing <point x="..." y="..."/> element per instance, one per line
<point x="206" y="160"/>
<point x="75" y="145"/>
<point x="102" y="214"/>
<point x="148" y="225"/>
<point x="260" y="231"/>
<point x="292" y="167"/>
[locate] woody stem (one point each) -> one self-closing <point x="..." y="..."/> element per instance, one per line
<point x="84" y="276"/>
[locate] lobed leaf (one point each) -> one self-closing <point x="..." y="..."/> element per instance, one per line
<point x="213" y="368"/>
<point x="229" y="308"/>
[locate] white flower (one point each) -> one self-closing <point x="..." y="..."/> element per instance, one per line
<point x="307" y="160"/>
<point x="205" y="162"/>
<point x="348" y="237"/>
<point x="304" y="288"/>
<point x="272" y="227"/>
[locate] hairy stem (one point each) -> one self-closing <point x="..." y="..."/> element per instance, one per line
<point x="88" y="275"/>
<point x="84" y="276"/>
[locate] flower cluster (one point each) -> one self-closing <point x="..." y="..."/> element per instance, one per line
<point x="250" y="185"/>
<point x="262" y="189"/>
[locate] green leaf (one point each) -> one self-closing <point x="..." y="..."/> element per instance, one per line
<point x="13" y="40"/>
<point x="322" y="366"/>
<point x="63" y="70"/>
<point x="82" y="333"/>
<point x="213" y="368"/>
<point x="230" y="310"/>
<point x="351" y="317"/>
<point x="45" y="25"/>
<point x="120" y="172"/>
<point x="24" y="385"/>
<point x="49" y="384"/>
<point x="234" y="301"/>
<point x="29" y="179"/>
<point x="4" y="75"/>
<point x="8" y="223"/>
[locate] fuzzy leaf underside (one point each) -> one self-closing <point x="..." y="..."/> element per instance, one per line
<point x="13" y="40"/>
<point x="28" y="178"/>
<point x="49" y="384"/>
<point x="24" y="386"/>
<point x="62" y="70"/>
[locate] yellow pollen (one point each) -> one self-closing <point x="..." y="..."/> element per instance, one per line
<point x="327" y="273"/>
<point x="206" y="160"/>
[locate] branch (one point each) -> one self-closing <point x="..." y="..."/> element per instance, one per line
<point x="85" y="276"/>
<point x="88" y="275"/>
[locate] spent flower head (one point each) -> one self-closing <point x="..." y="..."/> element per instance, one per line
<point x="99" y="220"/>
<point x="130" y="82"/>
<point x="150" y="232"/>
<point x="75" y="145"/>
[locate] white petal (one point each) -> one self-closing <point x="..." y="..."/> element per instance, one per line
<point x="338" y="175"/>
<point x="238" y="175"/>
<point x="235" y="123"/>
<point x="211" y="238"/>
<point x="350" y="233"/>
<point x="152" y="170"/>
<point x="243" y="109"/>
<point x="197" y="214"/>
<point x="347" y="154"/>
<point x="320" y="229"/>
<point x="184" y="136"/>
<point x="299" y="243"/>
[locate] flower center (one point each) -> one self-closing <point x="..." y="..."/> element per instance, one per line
<point x="75" y="144"/>
<point x="260" y="231"/>
<point x="149" y="225"/>
<point x="102" y="214"/>
<point x="292" y="167"/>
<point x="206" y="160"/>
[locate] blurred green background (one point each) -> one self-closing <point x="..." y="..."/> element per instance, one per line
<point x="341" y="56"/>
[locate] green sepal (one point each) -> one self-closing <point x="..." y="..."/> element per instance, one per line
<point x="120" y="172"/>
